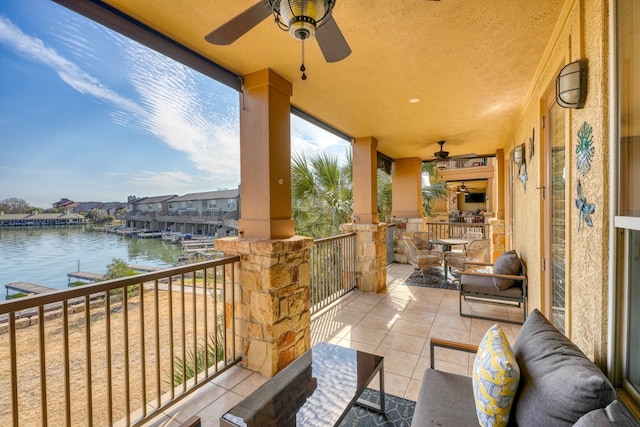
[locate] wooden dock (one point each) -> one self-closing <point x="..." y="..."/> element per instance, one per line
<point x="27" y="288"/>
<point x="145" y="268"/>
<point x="83" y="275"/>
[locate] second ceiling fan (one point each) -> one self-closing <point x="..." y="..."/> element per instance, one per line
<point x="443" y="156"/>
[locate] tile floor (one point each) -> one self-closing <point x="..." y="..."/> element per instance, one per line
<point x="396" y="324"/>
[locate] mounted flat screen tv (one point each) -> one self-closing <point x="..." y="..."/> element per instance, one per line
<point x="474" y="198"/>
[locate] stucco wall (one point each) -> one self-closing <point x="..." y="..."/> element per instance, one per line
<point x="582" y="33"/>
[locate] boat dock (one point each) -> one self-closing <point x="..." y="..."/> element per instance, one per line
<point x="83" y="275"/>
<point x="191" y="246"/>
<point x="27" y="288"/>
<point x="145" y="268"/>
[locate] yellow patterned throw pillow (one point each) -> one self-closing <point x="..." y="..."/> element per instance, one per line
<point x="495" y="379"/>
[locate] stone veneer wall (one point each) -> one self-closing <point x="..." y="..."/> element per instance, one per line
<point x="497" y="233"/>
<point x="371" y="255"/>
<point x="272" y="299"/>
<point x="405" y="226"/>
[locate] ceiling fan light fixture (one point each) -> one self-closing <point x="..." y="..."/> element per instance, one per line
<point x="302" y="17"/>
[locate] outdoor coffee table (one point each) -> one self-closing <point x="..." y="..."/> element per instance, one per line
<point x="317" y="389"/>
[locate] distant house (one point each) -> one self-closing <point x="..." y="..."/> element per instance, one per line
<point x="41" y="219"/>
<point x="213" y="213"/>
<point x="110" y="208"/>
<point x="62" y="203"/>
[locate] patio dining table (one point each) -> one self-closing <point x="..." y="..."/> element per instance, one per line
<point x="446" y="246"/>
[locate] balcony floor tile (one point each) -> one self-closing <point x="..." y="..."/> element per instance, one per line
<point x="396" y="324"/>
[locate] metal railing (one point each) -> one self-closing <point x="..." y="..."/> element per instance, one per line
<point x="118" y="351"/>
<point x="333" y="269"/>
<point x="457" y="230"/>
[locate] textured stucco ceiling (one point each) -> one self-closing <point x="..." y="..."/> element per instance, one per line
<point x="470" y="62"/>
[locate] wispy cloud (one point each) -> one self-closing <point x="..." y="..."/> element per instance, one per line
<point x="186" y="110"/>
<point x="172" y="105"/>
<point x="36" y="50"/>
<point x="306" y="139"/>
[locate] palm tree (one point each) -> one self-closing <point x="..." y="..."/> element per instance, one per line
<point x="436" y="190"/>
<point x="322" y="193"/>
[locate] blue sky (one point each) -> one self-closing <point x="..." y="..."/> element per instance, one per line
<point x="89" y="115"/>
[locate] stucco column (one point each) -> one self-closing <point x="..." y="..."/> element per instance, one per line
<point x="370" y="235"/>
<point x="406" y="193"/>
<point x="271" y="300"/>
<point x="365" y="187"/>
<point x="265" y="156"/>
<point x="272" y="291"/>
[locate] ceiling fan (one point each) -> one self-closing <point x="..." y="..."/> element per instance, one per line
<point x="303" y="19"/>
<point x="441" y="156"/>
<point x="462" y="189"/>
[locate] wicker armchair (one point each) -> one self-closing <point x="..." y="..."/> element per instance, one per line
<point x="422" y="240"/>
<point x="422" y="259"/>
<point x="476" y="252"/>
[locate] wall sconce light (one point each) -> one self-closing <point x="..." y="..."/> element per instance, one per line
<point x="571" y="85"/>
<point x="518" y="154"/>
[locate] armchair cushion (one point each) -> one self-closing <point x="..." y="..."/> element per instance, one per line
<point x="613" y="415"/>
<point x="558" y="383"/>
<point x="495" y="379"/>
<point x="507" y="263"/>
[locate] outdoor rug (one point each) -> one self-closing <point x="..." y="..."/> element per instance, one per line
<point x="399" y="412"/>
<point x="434" y="278"/>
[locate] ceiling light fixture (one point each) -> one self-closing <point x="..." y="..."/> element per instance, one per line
<point x="414" y="100"/>
<point x="301" y="18"/>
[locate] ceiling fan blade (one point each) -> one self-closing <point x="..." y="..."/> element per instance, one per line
<point x="332" y="43"/>
<point x="232" y="30"/>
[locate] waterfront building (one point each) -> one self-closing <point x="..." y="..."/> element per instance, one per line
<point x="41" y="219"/>
<point x="212" y="213"/>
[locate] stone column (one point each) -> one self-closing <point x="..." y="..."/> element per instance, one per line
<point x="272" y="298"/>
<point x="371" y="255"/>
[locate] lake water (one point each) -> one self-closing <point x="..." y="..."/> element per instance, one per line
<point x="44" y="256"/>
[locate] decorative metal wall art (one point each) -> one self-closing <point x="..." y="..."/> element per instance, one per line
<point x="584" y="149"/>
<point x="532" y="143"/>
<point x="522" y="174"/>
<point x="584" y="209"/>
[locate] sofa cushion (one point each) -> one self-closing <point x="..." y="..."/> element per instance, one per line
<point x="484" y="285"/>
<point x="558" y="383"/>
<point x="507" y="263"/>
<point x="613" y="415"/>
<point x="495" y="379"/>
<point x="445" y="399"/>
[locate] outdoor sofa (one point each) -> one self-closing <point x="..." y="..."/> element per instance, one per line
<point x="558" y="385"/>
<point x="504" y="283"/>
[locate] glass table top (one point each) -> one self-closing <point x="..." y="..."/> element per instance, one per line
<point x="316" y="389"/>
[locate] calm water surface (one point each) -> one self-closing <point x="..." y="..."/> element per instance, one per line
<point x="45" y="255"/>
